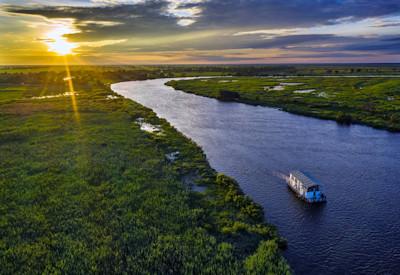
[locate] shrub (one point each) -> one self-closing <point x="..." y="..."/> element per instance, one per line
<point x="343" y="118"/>
<point x="266" y="260"/>
<point x="228" y="95"/>
<point x="233" y="194"/>
<point x="395" y="118"/>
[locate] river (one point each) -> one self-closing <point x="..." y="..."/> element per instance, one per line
<point x="356" y="232"/>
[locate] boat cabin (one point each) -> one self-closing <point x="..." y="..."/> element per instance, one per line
<point x="305" y="187"/>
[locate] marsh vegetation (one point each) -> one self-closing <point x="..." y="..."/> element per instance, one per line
<point x="364" y="100"/>
<point x="85" y="189"/>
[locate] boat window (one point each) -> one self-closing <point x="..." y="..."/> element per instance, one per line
<point x="314" y="188"/>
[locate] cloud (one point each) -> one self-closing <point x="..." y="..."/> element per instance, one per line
<point x="319" y="28"/>
<point x="381" y="46"/>
<point x="220" y="14"/>
<point x="98" y="23"/>
<point x="388" y="25"/>
<point x="143" y="19"/>
<point x="186" y="22"/>
<point x="101" y="43"/>
<point x="290" y="13"/>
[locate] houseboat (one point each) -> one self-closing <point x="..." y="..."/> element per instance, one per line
<point x="305" y="187"/>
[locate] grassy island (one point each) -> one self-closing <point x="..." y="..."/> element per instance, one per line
<point x="373" y="101"/>
<point x="84" y="189"/>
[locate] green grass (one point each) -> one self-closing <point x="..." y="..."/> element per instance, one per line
<point x="95" y="194"/>
<point x="10" y="93"/>
<point x="371" y="101"/>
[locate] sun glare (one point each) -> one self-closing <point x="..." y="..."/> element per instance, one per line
<point x="57" y="43"/>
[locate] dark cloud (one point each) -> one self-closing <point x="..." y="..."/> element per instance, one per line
<point x="395" y="39"/>
<point x="220" y="58"/>
<point x="388" y="25"/>
<point x="151" y="21"/>
<point x="330" y="55"/>
<point x="256" y="42"/>
<point x="240" y="42"/>
<point x="377" y="46"/>
<point x="152" y="17"/>
<point x="289" y="13"/>
<point x="144" y="19"/>
<point x="295" y="46"/>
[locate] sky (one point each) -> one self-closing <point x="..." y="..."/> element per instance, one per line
<point x="199" y="31"/>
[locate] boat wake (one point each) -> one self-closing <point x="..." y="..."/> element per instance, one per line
<point x="281" y="175"/>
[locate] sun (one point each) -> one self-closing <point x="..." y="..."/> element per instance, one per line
<point x="57" y="43"/>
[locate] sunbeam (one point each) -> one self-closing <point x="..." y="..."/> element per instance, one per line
<point x="71" y="89"/>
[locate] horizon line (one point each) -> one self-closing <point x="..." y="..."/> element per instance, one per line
<point x="205" y="64"/>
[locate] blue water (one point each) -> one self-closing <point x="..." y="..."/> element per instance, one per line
<point x="356" y="232"/>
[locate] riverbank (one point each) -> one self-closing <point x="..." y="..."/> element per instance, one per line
<point x="85" y="189"/>
<point x="365" y="100"/>
<point x="257" y="145"/>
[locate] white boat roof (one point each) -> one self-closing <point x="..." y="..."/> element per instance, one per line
<point x="304" y="179"/>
